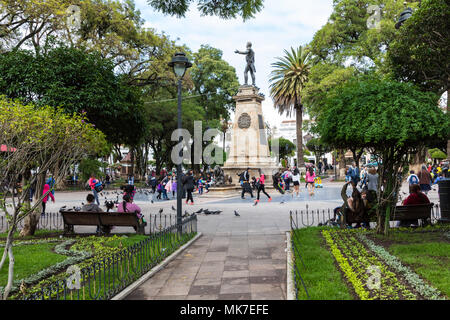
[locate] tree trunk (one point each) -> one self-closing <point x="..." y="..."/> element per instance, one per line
<point x="448" y="141"/>
<point x="30" y="224"/>
<point x="341" y="160"/>
<point x="299" y="120"/>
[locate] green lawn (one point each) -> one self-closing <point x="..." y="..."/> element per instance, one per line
<point x="322" y="278"/>
<point x="427" y="253"/>
<point x="30" y="259"/>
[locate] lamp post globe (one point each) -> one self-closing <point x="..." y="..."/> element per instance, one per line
<point x="405" y="15"/>
<point x="179" y="65"/>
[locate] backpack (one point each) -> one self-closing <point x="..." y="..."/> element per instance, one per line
<point x="413" y="179"/>
<point x="98" y="186"/>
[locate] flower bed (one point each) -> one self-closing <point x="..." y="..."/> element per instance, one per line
<point x="372" y="271"/>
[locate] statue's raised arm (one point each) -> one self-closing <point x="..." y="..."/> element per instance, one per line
<point x="250" y="58"/>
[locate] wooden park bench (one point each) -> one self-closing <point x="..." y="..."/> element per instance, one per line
<point x="105" y="220"/>
<point x="406" y="213"/>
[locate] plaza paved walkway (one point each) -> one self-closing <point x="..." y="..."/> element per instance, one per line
<point x="237" y="257"/>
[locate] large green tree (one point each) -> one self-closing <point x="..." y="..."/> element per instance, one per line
<point x="215" y="81"/>
<point x="76" y="81"/>
<point x="43" y="139"/>
<point x="288" y="80"/>
<point x="420" y="53"/>
<point x="390" y="119"/>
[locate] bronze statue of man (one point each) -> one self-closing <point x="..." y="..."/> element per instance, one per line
<point x="250" y="57"/>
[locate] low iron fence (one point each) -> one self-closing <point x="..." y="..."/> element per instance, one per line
<point x="53" y="221"/>
<point x="315" y="217"/>
<point x="105" y="278"/>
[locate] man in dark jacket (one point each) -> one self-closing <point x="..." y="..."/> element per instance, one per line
<point x="244" y="179"/>
<point x="188" y="182"/>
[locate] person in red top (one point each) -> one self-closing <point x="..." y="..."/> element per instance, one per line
<point x="416" y="196"/>
<point x="260" y="185"/>
<point x="44" y="201"/>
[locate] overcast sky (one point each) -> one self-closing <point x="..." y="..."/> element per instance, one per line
<point x="281" y="24"/>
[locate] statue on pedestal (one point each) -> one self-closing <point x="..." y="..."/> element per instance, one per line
<point x="250" y="58"/>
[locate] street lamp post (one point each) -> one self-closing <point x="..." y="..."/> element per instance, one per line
<point x="179" y="64"/>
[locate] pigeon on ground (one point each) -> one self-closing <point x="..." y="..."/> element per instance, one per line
<point x="206" y="211"/>
<point x="152" y="201"/>
<point x="216" y="212"/>
<point x="281" y="202"/>
<point x="199" y="211"/>
<point x="186" y="214"/>
<point x="236" y="214"/>
<point x="161" y="210"/>
<point x="173" y="208"/>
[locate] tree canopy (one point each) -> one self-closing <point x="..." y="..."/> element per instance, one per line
<point x="225" y="9"/>
<point x="388" y="118"/>
<point x="420" y="54"/>
<point x="76" y="81"/>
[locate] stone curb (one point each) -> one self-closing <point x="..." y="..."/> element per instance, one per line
<point x="124" y="293"/>
<point x="290" y="287"/>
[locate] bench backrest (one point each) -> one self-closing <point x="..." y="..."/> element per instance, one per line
<point x="80" y="218"/>
<point x="119" y="219"/>
<point x="100" y="218"/>
<point x="415" y="211"/>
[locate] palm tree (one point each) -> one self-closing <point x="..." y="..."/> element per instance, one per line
<point x="288" y="80"/>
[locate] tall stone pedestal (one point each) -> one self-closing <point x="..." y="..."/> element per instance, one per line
<point x="249" y="147"/>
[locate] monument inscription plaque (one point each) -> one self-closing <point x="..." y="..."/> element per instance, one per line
<point x="244" y="121"/>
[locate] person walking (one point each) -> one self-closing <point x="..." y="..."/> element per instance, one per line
<point x="188" y="182"/>
<point x="372" y="184"/>
<point x="296" y="181"/>
<point x="287" y="174"/>
<point x="260" y="186"/>
<point x="424" y="180"/>
<point x="310" y="175"/>
<point x="278" y="185"/>
<point x="95" y="185"/>
<point x="44" y="201"/>
<point x="244" y="178"/>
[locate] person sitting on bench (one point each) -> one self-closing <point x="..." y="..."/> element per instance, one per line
<point x="91" y="207"/>
<point x="416" y="196"/>
<point x="128" y="206"/>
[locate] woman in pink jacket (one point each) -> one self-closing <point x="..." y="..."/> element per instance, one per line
<point x="310" y="175"/>
<point x="44" y="201"/>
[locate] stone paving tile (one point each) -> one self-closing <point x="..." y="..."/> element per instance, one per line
<point x="169" y="297"/>
<point x="236" y="267"/>
<point x="203" y="297"/>
<point x="270" y="295"/>
<point x="235" y="281"/>
<point x="235" y="296"/>
<point x="234" y="288"/>
<point x="264" y="287"/>
<point x="235" y="274"/>
<point x="174" y="289"/>
<point x="215" y="256"/>
<point x="204" y="290"/>
<point x="265" y="279"/>
<point x="207" y="282"/>
<point x="215" y="274"/>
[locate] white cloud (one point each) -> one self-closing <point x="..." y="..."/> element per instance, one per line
<point x="280" y="25"/>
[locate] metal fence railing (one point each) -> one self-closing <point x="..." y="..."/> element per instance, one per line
<point x="105" y="278"/>
<point x="298" y="263"/>
<point x="54" y="221"/>
<point x="315" y="217"/>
